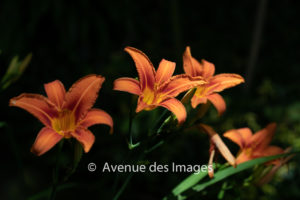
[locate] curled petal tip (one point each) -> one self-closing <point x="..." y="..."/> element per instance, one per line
<point x="97" y="116"/>
<point x="12" y="102"/>
<point x="177" y="108"/>
<point x="129" y="85"/>
<point x="45" y="140"/>
<point x="218" y="102"/>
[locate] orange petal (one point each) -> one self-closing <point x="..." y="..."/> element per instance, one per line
<point x="262" y="138"/>
<point x="85" y="137"/>
<point x="128" y="85"/>
<point x="144" y="67"/>
<point x="45" y="140"/>
<point x="208" y="69"/>
<point x="269" y="151"/>
<point x="83" y="94"/>
<point x="243" y="157"/>
<point x="223" y="81"/>
<point x="218" y="101"/>
<point x="176" y="107"/>
<point x="194" y="68"/>
<point x="37" y="105"/>
<point x="165" y="71"/>
<point x="240" y="136"/>
<point x="196" y="100"/>
<point x="97" y="116"/>
<point x="190" y="65"/>
<point x="178" y="84"/>
<point x="56" y="92"/>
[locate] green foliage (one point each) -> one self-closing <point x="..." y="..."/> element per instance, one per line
<point x="191" y="182"/>
<point x="14" y="71"/>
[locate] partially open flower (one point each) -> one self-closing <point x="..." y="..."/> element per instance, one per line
<point x="65" y="114"/>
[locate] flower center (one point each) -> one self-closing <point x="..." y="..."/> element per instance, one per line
<point x="64" y="123"/>
<point x="148" y="96"/>
<point x="201" y="91"/>
<point x="248" y="151"/>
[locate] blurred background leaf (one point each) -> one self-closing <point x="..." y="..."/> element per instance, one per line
<point x="15" y="69"/>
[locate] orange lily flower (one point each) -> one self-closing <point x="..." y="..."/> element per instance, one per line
<point x="216" y="142"/>
<point x="65" y="114"/>
<point x="157" y="88"/>
<point x="254" y="146"/>
<point x="215" y="84"/>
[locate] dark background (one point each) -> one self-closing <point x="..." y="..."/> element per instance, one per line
<point x="70" y="39"/>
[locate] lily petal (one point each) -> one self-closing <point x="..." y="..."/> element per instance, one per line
<point x="240" y="136"/>
<point x="194" y="68"/>
<point x="165" y="71"/>
<point x="176" y="107"/>
<point x="196" y="100"/>
<point x="45" y="140"/>
<point x="208" y="69"/>
<point x="243" y="157"/>
<point x="56" y="92"/>
<point x="144" y="67"/>
<point x="97" y="116"/>
<point x="269" y="151"/>
<point x="178" y="84"/>
<point x="37" y="105"/>
<point x="128" y="85"/>
<point x="85" y="137"/>
<point x="218" y="101"/>
<point x="190" y="65"/>
<point x="262" y="138"/>
<point x="224" y="81"/>
<point x="83" y="94"/>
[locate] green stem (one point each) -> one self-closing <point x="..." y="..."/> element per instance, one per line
<point x="123" y="186"/>
<point x="160" y="120"/>
<point x="77" y="157"/>
<point x="130" y="127"/>
<point x="55" y="175"/>
<point x="158" y="140"/>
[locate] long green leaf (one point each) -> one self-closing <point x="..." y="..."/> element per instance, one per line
<point x="193" y="179"/>
<point x="231" y="170"/>
<point x="189" y="182"/>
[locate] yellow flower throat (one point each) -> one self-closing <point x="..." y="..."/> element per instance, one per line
<point x="64" y="123"/>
